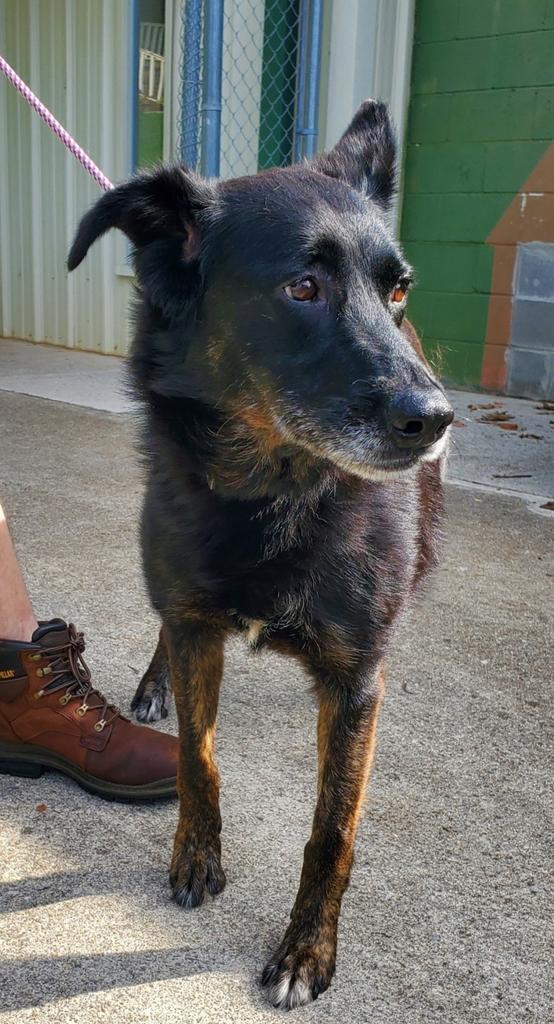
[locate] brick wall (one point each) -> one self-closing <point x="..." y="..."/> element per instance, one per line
<point x="481" y="116"/>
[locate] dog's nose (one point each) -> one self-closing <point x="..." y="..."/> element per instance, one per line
<point x="419" y="418"/>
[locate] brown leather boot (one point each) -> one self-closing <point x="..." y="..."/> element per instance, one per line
<point x="52" y="717"/>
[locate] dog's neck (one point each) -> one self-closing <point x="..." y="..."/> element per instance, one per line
<point x="238" y="456"/>
<point x="250" y="462"/>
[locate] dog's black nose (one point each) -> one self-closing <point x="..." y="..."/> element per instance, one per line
<point x="419" y="418"/>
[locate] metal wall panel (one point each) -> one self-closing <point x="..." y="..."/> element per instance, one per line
<point x="75" y="55"/>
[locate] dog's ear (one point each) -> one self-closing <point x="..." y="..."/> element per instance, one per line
<point x="365" y="155"/>
<point x="160" y="203"/>
<point x="160" y="212"/>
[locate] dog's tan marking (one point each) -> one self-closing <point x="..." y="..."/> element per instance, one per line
<point x="255" y="628"/>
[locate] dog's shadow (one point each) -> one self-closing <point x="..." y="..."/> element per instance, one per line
<point x="46" y="890"/>
<point x="35" y="981"/>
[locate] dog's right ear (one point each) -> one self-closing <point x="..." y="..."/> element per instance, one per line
<point x="160" y="212"/>
<point x="165" y="202"/>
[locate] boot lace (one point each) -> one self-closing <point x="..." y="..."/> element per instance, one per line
<point x="69" y="671"/>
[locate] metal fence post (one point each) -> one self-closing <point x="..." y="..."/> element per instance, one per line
<point x="309" y="66"/>
<point x="134" y="83"/>
<point x="211" y="92"/>
<point x="190" y="81"/>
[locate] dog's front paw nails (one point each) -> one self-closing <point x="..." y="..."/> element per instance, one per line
<point x="297" y="977"/>
<point x="194" y="872"/>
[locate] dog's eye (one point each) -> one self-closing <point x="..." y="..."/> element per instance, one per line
<point x="304" y="290"/>
<point x="399" y="292"/>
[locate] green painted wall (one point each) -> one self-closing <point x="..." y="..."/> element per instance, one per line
<point x="481" y="115"/>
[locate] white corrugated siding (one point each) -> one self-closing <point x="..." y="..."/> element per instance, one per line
<point x="75" y="55"/>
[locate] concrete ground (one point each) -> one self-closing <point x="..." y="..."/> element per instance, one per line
<point x="447" y="917"/>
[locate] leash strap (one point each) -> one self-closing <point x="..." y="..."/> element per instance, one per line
<point x="55" y="126"/>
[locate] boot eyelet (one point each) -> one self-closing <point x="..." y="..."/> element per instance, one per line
<point x="38" y="694"/>
<point x="82" y="710"/>
<point x="40" y="672"/>
<point x="35" y="657"/>
<point x="100" y="725"/>
<point x="65" y="699"/>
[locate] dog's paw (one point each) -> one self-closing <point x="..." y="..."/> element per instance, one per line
<point x="153" y="697"/>
<point x="297" y="976"/>
<point x="194" y="872"/>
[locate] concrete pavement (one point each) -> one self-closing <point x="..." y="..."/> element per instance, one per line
<point x="447" y="917"/>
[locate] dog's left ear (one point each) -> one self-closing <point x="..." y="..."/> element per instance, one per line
<point x="364" y="156"/>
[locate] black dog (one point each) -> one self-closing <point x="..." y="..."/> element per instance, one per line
<point x="294" y="439"/>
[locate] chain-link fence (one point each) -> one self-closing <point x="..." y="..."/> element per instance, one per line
<point x="260" y="54"/>
<point x="249" y="83"/>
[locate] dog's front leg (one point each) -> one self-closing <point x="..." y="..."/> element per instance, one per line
<point x="195" y="652"/>
<point x="304" y="963"/>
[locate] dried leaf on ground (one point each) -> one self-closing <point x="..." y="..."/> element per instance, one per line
<point x="507" y="426"/>
<point x="511" y="476"/>
<point x="485" y="405"/>
<point x="496" y="417"/>
<point x="458" y="423"/>
<point x="549" y="505"/>
<point x="546" y="405"/>
<point x="536" y="437"/>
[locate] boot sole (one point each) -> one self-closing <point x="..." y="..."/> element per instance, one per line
<point x="27" y="761"/>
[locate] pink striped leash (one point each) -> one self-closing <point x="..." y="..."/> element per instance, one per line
<point x="55" y="126"/>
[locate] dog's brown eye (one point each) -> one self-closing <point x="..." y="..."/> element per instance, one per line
<point x="302" y="291"/>
<point x="399" y="293"/>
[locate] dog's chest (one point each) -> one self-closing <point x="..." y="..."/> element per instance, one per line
<point x="291" y="573"/>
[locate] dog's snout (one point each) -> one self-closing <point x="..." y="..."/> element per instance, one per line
<point x="418" y="418"/>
